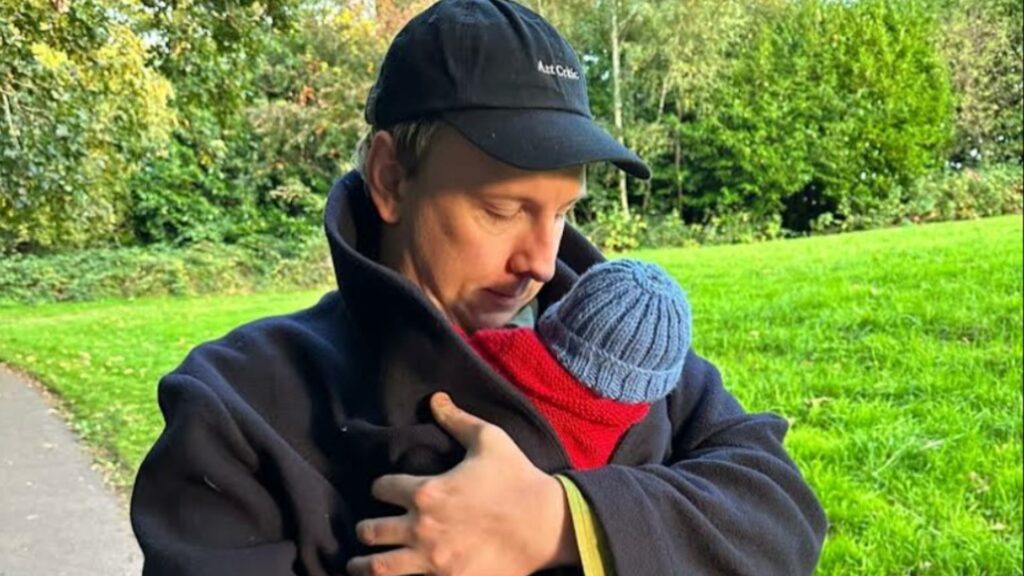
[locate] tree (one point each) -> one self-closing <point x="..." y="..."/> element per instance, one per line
<point x="314" y="84"/>
<point x="680" y="55"/>
<point x="273" y="111"/>
<point x="981" y="42"/>
<point x="651" y="65"/>
<point x="80" y="112"/>
<point x="834" y="108"/>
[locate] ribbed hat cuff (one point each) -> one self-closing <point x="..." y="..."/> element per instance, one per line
<point x="607" y="376"/>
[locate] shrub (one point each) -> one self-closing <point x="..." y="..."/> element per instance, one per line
<point x="947" y="195"/>
<point x="258" y="264"/>
<point x="614" y="231"/>
<point x="670" y="231"/>
<point x="80" y="113"/>
<point x="831" y="106"/>
<point x="966" y="194"/>
<point x="741" y="227"/>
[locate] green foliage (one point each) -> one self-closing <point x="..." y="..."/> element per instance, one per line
<point x="618" y="234"/>
<point x="832" y="107"/>
<point x="135" y="123"/>
<point x="209" y="50"/>
<point x="79" y="110"/>
<point x="741" y="228"/>
<point x="614" y="231"/>
<point x="674" y="53"/>
<point x="205" y="186"/>
<point x="936" y="197"/>
<point x="967" y="194"/>
<point x="670" y="232"/>
<point x="173" y="199"/>
<point x="262" y="144"/>
<point x="941" y="196"/>
<point x="308" y="125"/>
<point x="983" y="47"/>
<point x="91" y="274"/>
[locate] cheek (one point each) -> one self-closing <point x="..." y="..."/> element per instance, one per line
<point x="480" y="255"/>
<point x="473" y="255"/>
<point x="459" y="255"/>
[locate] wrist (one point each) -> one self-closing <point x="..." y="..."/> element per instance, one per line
<point x="562" y="548"/>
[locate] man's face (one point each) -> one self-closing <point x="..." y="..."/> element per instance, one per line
<point x="479" y="237"/>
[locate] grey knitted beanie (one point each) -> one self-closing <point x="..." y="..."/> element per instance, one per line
<point x="623" y="330"/>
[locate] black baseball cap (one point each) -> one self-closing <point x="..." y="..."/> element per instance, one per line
<point x="504" y="78"/>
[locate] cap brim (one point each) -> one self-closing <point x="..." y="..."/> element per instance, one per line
<point x="543" y="139"/>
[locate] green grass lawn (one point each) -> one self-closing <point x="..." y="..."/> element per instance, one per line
<point x="896" y="355"/>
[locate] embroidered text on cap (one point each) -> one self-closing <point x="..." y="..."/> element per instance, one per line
<point x="558" y="70"/>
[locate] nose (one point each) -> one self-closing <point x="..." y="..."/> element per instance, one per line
<point x="536" y="251"/>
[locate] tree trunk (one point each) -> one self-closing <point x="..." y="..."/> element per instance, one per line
<point x="678" y="177"/>
<point x="11" y="128"/>
<point x="663" y="97"/>
<point x="617" y="100"/>
<point x="369" y="9"/>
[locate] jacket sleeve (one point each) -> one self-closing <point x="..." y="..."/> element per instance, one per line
<point x="728" y="501"/>
<point x="594" y="556"/>
<point x="199" y="506"/>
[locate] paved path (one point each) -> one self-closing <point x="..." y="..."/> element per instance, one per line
<point x="57" y="518"/>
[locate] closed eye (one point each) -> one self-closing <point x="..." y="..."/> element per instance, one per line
<point x="562" y="214"/>
<point x="502" y="213"/>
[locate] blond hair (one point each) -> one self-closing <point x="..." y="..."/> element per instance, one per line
<point x="412" y="141"/>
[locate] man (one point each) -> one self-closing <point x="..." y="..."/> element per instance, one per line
<point x="318" y="443"/>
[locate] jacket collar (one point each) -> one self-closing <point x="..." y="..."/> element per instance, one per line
<point x="408" y="349"/>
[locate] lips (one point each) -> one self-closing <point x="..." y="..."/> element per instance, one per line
<point x="506" y="298"/>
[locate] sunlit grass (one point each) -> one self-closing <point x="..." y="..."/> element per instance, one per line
<point x="896" y="355"/>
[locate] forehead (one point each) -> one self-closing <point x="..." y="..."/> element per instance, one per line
<point x="453" y="163"/>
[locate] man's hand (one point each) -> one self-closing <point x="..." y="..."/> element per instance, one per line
<point x="495" y="513"/>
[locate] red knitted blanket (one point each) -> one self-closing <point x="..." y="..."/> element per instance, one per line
<point x="588" y="425"/>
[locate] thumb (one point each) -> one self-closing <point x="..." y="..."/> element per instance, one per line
<point x="465" y="427"/>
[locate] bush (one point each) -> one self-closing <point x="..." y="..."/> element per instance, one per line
<point x="258" y="264"/>
<point x="80" y="113"/>
<point x="732" y="228"/>
<point x="670" y="231"/>
<point x="948" y="195"/>
<point x="982" y="45"/>
<point x="613" y="231"/>
<point x="830" y="107"/>
<point x="174" y="200"/>
<point x="966" y="194"/>
<point x="740" y="228"/>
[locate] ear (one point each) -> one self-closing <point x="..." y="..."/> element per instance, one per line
<point x="383" y="177"/>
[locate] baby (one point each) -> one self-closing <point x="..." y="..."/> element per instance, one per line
<point x="598" y="357"/>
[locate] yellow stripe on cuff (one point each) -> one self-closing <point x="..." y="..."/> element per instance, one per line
<point x="589" y="536"/>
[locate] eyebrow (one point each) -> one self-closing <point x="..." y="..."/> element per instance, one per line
<point x="574" y="200"/>
<point x="523" y="199"/>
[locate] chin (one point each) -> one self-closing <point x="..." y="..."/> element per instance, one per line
<point x="474" y="322"/>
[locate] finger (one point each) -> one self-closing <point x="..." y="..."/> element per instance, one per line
<point x="393" y="531"/>
<point x="401" y="562"/>
<point x="465" y="427"/>
<point x="397" y="489"/>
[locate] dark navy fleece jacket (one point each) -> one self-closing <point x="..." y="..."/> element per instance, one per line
<point x="274" y="433"/>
